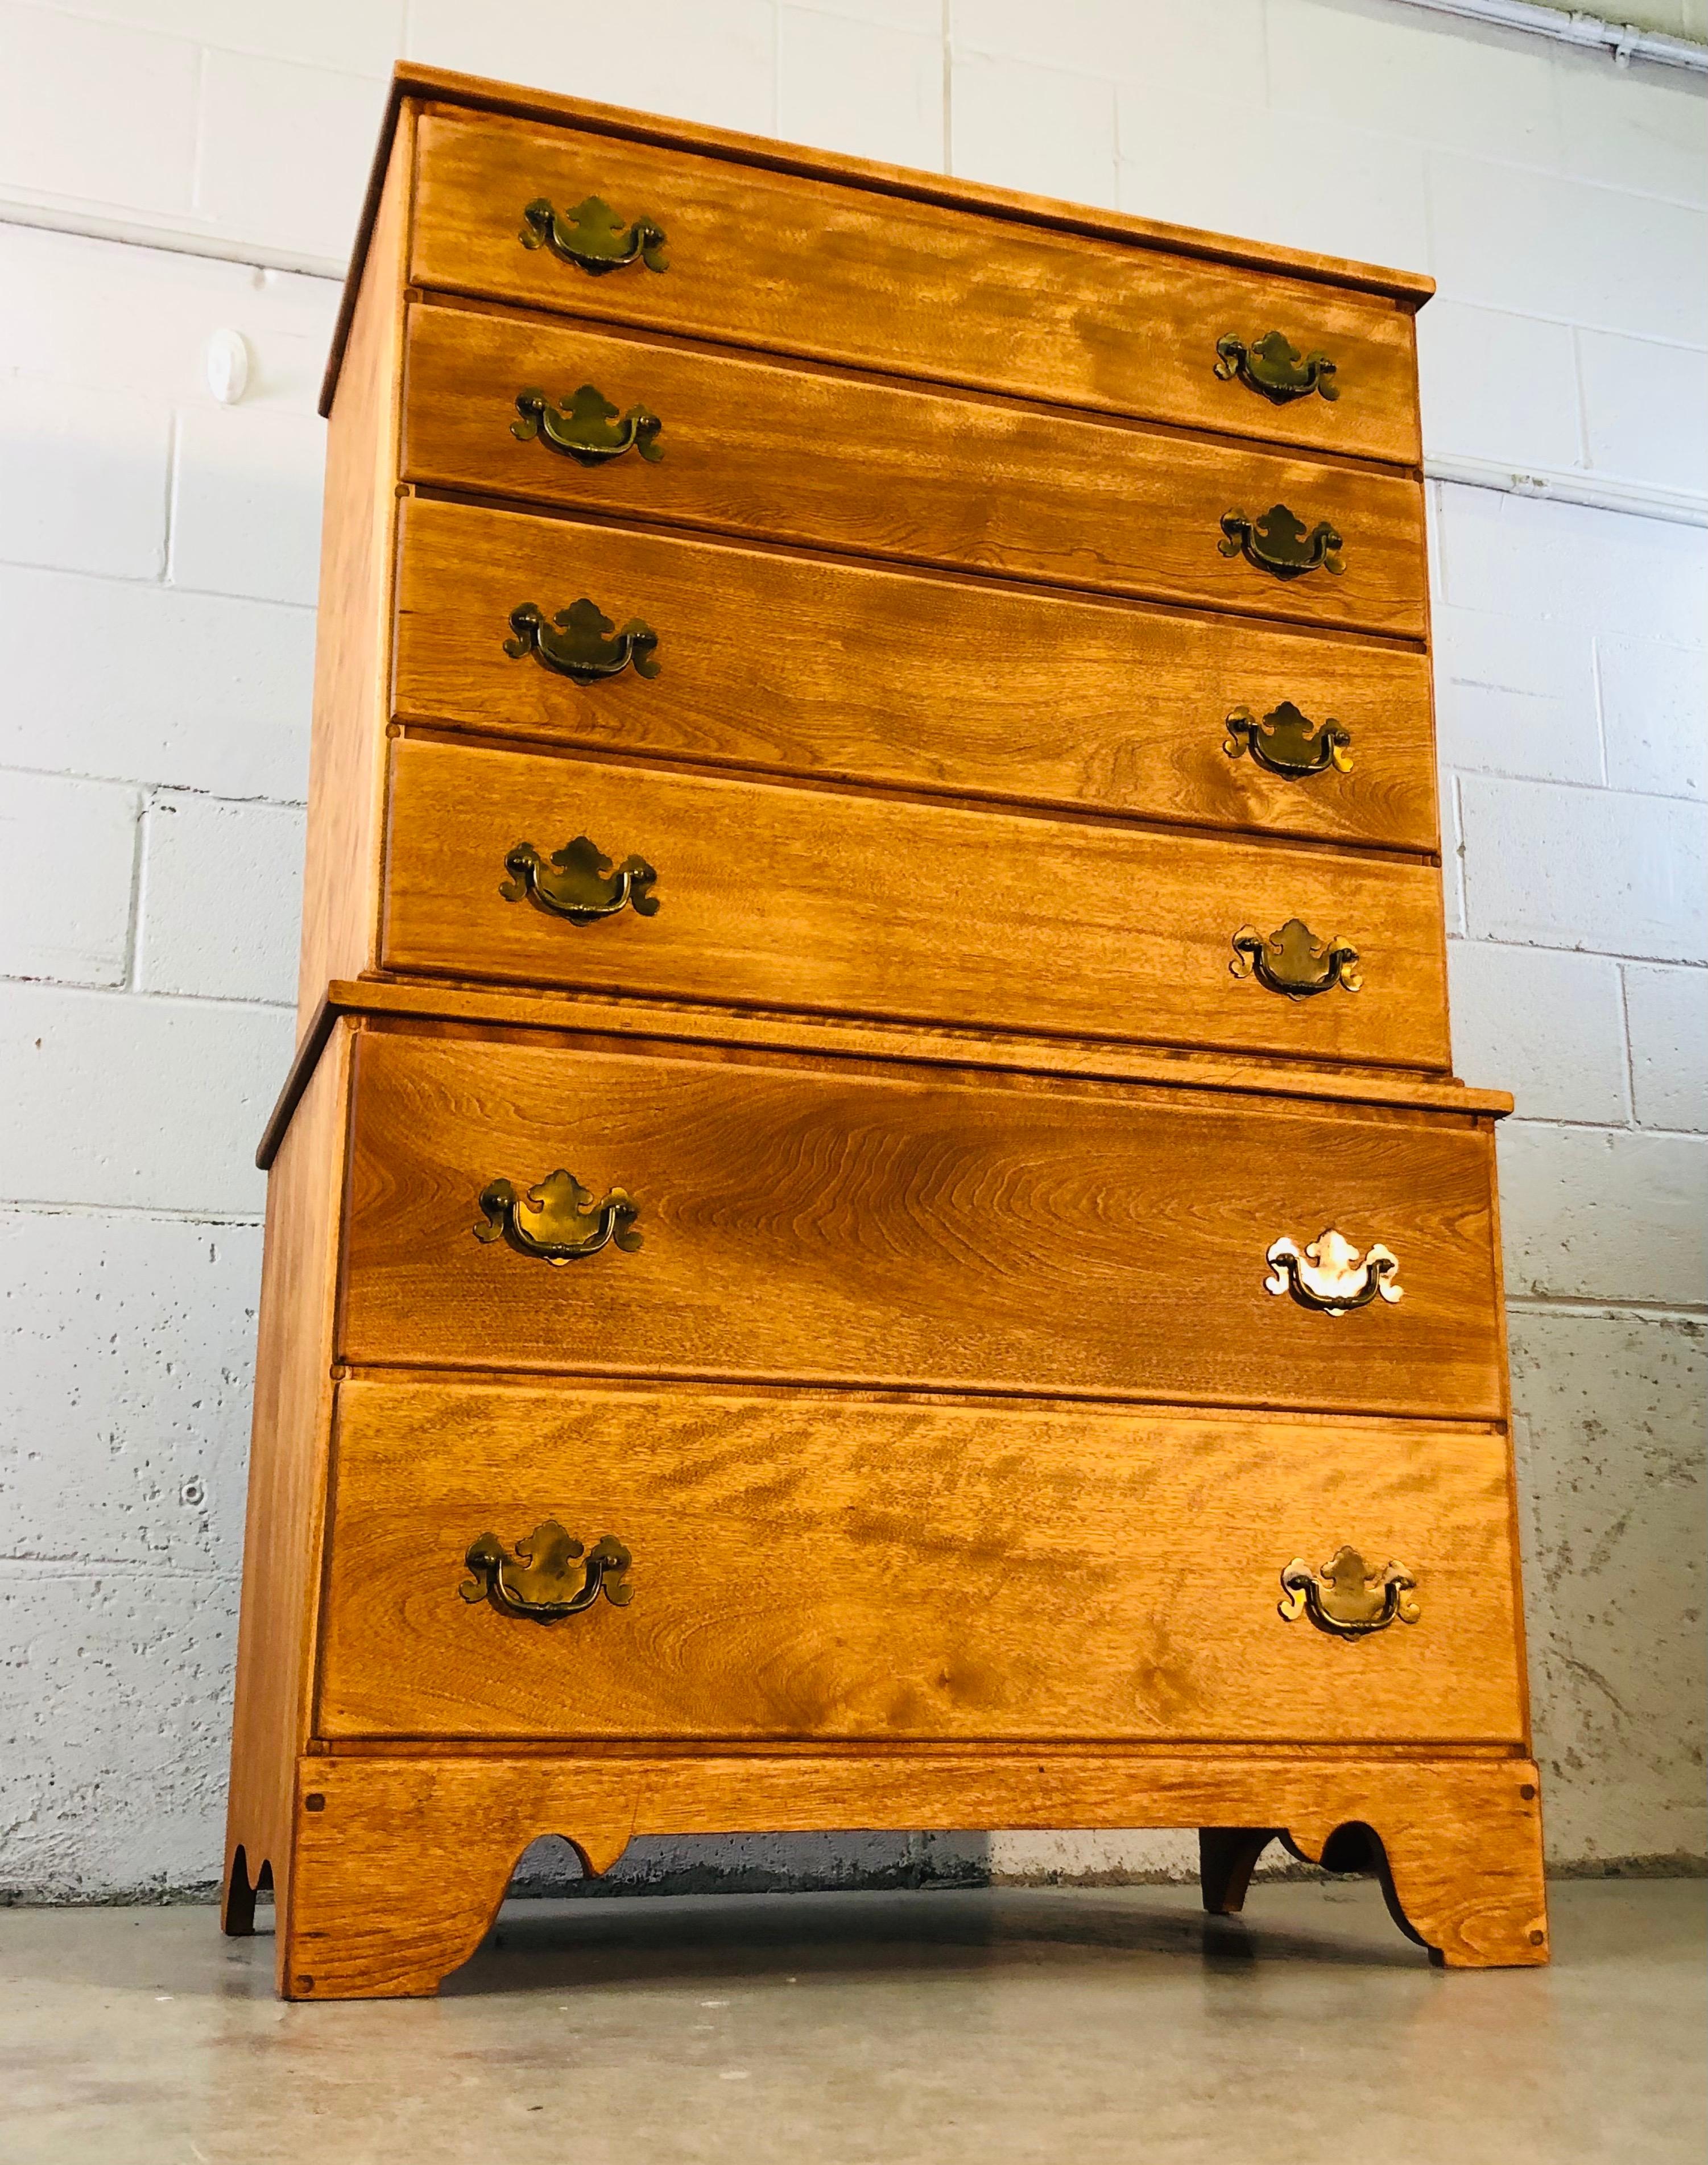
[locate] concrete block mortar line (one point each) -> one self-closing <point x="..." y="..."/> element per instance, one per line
<point x="60" y="1568"/>
<point x="1599" y="954"/>
<point x="1629" y="1044"/>
<point x="170" y="510"/>
<point x="199" y="149"/>
<point x="161" y="579"/>
<point x="1605" y="1309"/>
<point x="1457" y="939"/>
<point x="1595" y="644"/>
<point x="1461" y="896"/>
<point x="1426" y="194"/>
<point x="186" y="1000"/>
<point x="1486" y="156"/>
<point x="1595" y="789"/>
<point x="1583" y="323"/>
<point x="1607" y="1128"/>
<point x="947" y="20"/>
<point x="214" y="1221"/>
<point x="132" y="991"/>
<point x="146" y="785"/>
<point x="132" y="934"/>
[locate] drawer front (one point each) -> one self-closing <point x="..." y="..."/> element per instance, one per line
<point x="848" y="671"/>
<point x="828" y="902"/>
<point x="790" y="454"/>
<point x="856" y="1225"/>
<point x="818" y="1569"/>
<point x="841" y="274"/>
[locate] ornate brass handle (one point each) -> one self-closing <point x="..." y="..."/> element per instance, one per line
<point x="1347" y="1598"/>
<point x="1272" y="366"/>
<point x="559" y="1221"/>
<point x="1279" y="542"/>
<point x="1295" y="961"/>
<point x="591" y="235"/>
<point x="578" y="882"/>
<point x="1329" y="1276"/>
<point x="1284" y="742"/>
<point x="574" y="644"/>
<point x="545" y="1579"/>
<point x="587" y="427"/>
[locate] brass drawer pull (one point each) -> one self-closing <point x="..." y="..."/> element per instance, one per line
<point x="587" y="427"/>
<point x="559" y="1221"/>
<point x="1295" y="961"/>
<point x="576" y="642"/>
<point x="1284" y="742"/>
<point x="1347" y="1598"/>
<point x="1274" y="366"/>
<point x="544" y="1579"/>
<point x="1329" y="1276"/>
<point x="591" y="235"/>
<point x="1279" y="542"/>
<point x="578" y="882"/>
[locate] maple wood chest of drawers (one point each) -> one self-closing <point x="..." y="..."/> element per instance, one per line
<point x="872" y="1227"/>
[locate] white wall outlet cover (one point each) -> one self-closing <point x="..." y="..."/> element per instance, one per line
<point x="227" y="367"/>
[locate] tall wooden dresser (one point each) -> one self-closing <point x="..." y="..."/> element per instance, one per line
<point x="873" y="1227"/>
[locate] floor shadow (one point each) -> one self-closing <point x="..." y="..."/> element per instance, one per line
<point x="680" y="1938"/>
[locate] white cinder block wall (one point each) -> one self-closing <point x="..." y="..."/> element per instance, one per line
<point x="157" y="565"/>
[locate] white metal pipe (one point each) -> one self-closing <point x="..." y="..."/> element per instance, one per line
<point x="1625" y="41"/>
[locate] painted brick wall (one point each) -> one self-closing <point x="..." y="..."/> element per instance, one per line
<point x="157" y="560"/>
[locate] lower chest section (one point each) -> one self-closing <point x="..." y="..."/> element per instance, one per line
<point x="733" y="1397"/>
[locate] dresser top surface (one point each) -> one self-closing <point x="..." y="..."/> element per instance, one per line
<point x="475" y="94"/>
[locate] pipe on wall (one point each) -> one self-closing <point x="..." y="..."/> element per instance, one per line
<point x="1623" y="41"/>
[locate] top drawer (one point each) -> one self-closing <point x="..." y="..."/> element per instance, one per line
<point x="844" y="274"/>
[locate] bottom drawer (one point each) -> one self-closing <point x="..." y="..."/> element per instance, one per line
<point x="828" y="1567"/>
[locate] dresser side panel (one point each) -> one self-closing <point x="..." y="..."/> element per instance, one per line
<point x="293" y="1401"/>
<point x="353" y="653"/>
<point x="1503" y="1366"/>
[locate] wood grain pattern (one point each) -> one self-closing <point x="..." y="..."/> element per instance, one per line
<point x="796" y="266"/>
<point x="400" y="1872"/>
<point x="659" y="1025"/>
<point x="836" y="1569"/>
<point x="833" y="903"/>
<point x="288" y="1477"/>
<point x="845" y="671"/>
<point x="352" y="642"/>
<point x="820" y="1226"/>
<point x="797" y="455"/>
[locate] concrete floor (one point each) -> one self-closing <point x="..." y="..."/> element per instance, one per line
<point x="1069" y="2027"/>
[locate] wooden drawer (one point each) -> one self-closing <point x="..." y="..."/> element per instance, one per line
<point x="793" y="455"/>
<point x="838" y="1223"/>
<point x="831" y="902"/>
<point x="818" y="1568"/>
<point x="847" y="671"/>
<point x="843" y="274"/>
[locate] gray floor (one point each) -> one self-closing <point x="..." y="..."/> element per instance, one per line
<point x="1067" y="2025"/>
